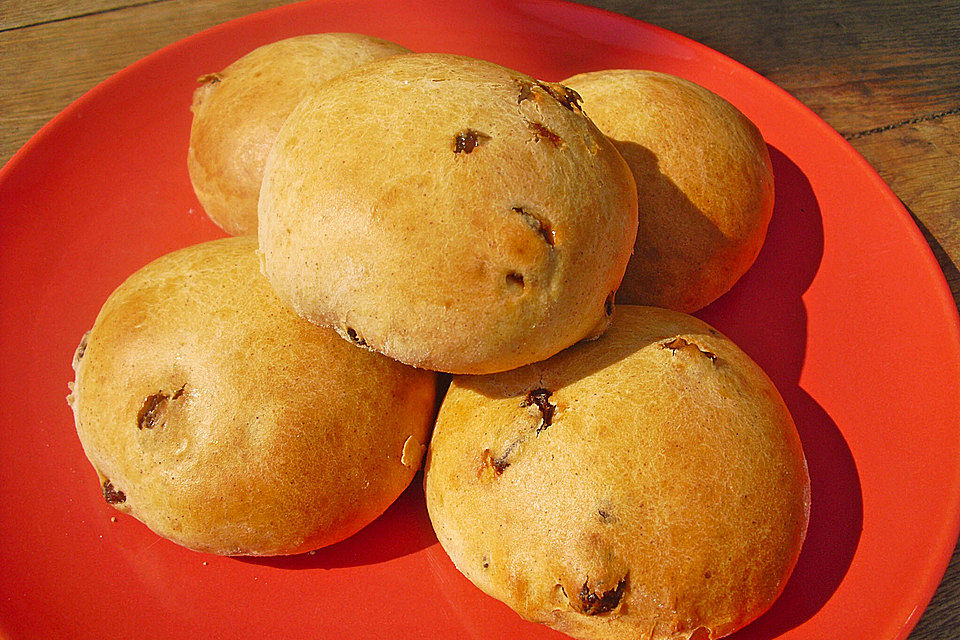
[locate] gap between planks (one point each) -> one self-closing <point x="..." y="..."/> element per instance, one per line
<point x="81" y="15"/>
<point x="896" y="125"/>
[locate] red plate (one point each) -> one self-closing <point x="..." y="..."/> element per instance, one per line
<point x="846" y="309"/>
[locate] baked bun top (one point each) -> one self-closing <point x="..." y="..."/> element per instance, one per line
<point x="238" y="112"/>
<point x="228" y="424"/>
<point x="647" y="484"/>
<point x="704" y="184"/>
<point x="448" y="212"/>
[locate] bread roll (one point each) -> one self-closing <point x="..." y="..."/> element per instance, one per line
<point x="447" y="212"/>
<point x="649" y="484"/>
<point x="228" y="424"/>
<point x="704" y="184"/>
<point x="237" y="113"/>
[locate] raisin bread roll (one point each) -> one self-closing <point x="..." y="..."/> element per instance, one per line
<point x="704" y="184"/>
<point x="649" y="484"/>
<point x="227" y="424"/>
<point x="447" y="212"/>
<point x="237" y="113"/>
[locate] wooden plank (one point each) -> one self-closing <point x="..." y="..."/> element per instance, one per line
<point x="859" y="64"/>
<point x="17" y="14"/>
<point x="841" y="62"/>
<point x="921" y="163"/>
<point x="45" y="68"/>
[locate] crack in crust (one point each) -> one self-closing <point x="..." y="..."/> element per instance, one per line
<point x="526" y="91"/>
<point x="566" y="96"/>
<point x="496" y="464"/>
<point x="541" y="398"/>
<point x="679" y="344"/>
<point x="492" y="466"/>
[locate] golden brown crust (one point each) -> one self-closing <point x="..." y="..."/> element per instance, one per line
<point x="238" y="112"/>
<point x="448" y="212"/>
<point x="648" y="484"/>
<point x="704" y="183"/>
<point x="228" y="424"/>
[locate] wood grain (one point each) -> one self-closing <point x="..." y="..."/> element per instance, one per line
<point x="16" y="14"/>
<point x="46" y="67"/>
<point x="859" y="64"/>
<point x="921" y="163"/>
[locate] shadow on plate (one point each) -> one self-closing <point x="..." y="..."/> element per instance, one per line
<point x="836" y="521"/>
<point x="949" y="268"/>
<point x="764" y="313"/>
<point x="664" y="210"/>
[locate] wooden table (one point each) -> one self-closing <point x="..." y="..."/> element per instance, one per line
<point x="885" y="75"/>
